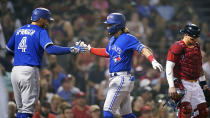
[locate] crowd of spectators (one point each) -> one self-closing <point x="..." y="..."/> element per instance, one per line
<point x="75" y="86"/>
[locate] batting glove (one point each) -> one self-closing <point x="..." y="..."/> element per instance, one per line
<point x="89" y="47"/>
<point x="81" y="43"/>
<point x="157" y="65"/>
<point x="78" y="49"/>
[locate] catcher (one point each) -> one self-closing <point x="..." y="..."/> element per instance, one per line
<point x="184" y="64"/>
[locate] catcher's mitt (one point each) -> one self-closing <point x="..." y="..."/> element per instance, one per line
<point x="207" y="96"/>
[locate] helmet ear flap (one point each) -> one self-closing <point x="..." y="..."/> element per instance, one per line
<point x="115" y="28"/>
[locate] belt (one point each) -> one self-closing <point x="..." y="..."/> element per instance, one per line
<point x="119" y="73"/>
<point x="188" y="80"/>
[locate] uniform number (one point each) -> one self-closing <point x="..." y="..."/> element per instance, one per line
<point x="22" y="45"/>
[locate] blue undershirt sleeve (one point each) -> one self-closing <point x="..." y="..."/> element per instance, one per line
<point x="11" y="44"/>
<point x="57" y="50"/>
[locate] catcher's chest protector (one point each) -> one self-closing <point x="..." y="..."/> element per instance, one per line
<point x="191" y="62"/>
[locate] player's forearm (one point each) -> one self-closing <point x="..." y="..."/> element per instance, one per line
<point x="57" y="50"/>
<point x="148" y="54"/>
<point x="169" y="73"/>
<point x="99" y="52"/>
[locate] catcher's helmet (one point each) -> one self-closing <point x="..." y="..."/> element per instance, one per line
<point x="41" y="13"/>
<point x="191" y="30"/>
<point x="117" y="20"/>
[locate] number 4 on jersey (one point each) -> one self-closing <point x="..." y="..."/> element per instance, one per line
<point x="22" y="45"/>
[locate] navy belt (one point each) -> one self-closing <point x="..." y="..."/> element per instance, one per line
<point x="119" y="73"/>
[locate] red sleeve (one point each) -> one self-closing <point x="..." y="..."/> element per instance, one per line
<point x="176" y="49"/>
<point x="99" y="52"/>
<point x="174" y="52"/>
<point x="172" y="57"/>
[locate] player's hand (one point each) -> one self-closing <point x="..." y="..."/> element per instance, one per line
<point x="78" y="49"/>
<point x="89" y="47"/>
<point x="80" y="43"/>
<point x="172" y="92"/>
<point x="157" y="65"/>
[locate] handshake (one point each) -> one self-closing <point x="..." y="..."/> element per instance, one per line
<point x="80" y="47"/>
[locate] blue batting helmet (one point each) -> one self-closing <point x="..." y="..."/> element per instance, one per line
<point x="117" y="20"/>
<point x="41" y="13"/>
<point x="191" y="30"/>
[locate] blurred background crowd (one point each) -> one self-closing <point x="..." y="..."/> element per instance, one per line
<point x="75" y="86"/>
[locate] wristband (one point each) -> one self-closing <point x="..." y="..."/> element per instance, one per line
<point x="150" y="58"/>
<point x="202" y="83"/>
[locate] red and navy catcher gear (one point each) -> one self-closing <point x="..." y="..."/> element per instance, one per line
<point x="191" y="30"/>
<point x="41" y="13"/>
<point x="117" y="20"/>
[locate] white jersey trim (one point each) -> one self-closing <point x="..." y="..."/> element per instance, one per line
<point x="47" y="44"/>
<point x="107" y="52"/>
<point x="9" y="49"/>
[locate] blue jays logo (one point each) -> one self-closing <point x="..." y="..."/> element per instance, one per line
<point x="117" y="58"/>
<point x="117" y="49"/>
<point x="108" y="17"/>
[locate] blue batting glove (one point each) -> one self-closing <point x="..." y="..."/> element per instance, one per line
<point x="78" y="49"/>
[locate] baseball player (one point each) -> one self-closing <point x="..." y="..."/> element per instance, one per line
<point x="120" y="50"/>
<point x="184" y="62"/>
<point x="28" y="44"/>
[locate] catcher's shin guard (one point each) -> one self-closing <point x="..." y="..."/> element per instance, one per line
<point x="185" y="110"/>
<point x="202" y="111"/>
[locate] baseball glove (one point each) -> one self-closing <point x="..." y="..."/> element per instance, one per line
<point x="207" y="96"/>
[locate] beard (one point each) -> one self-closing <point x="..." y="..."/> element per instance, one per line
<point x="45" y="26"/>
<point x="192" y="42"/>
